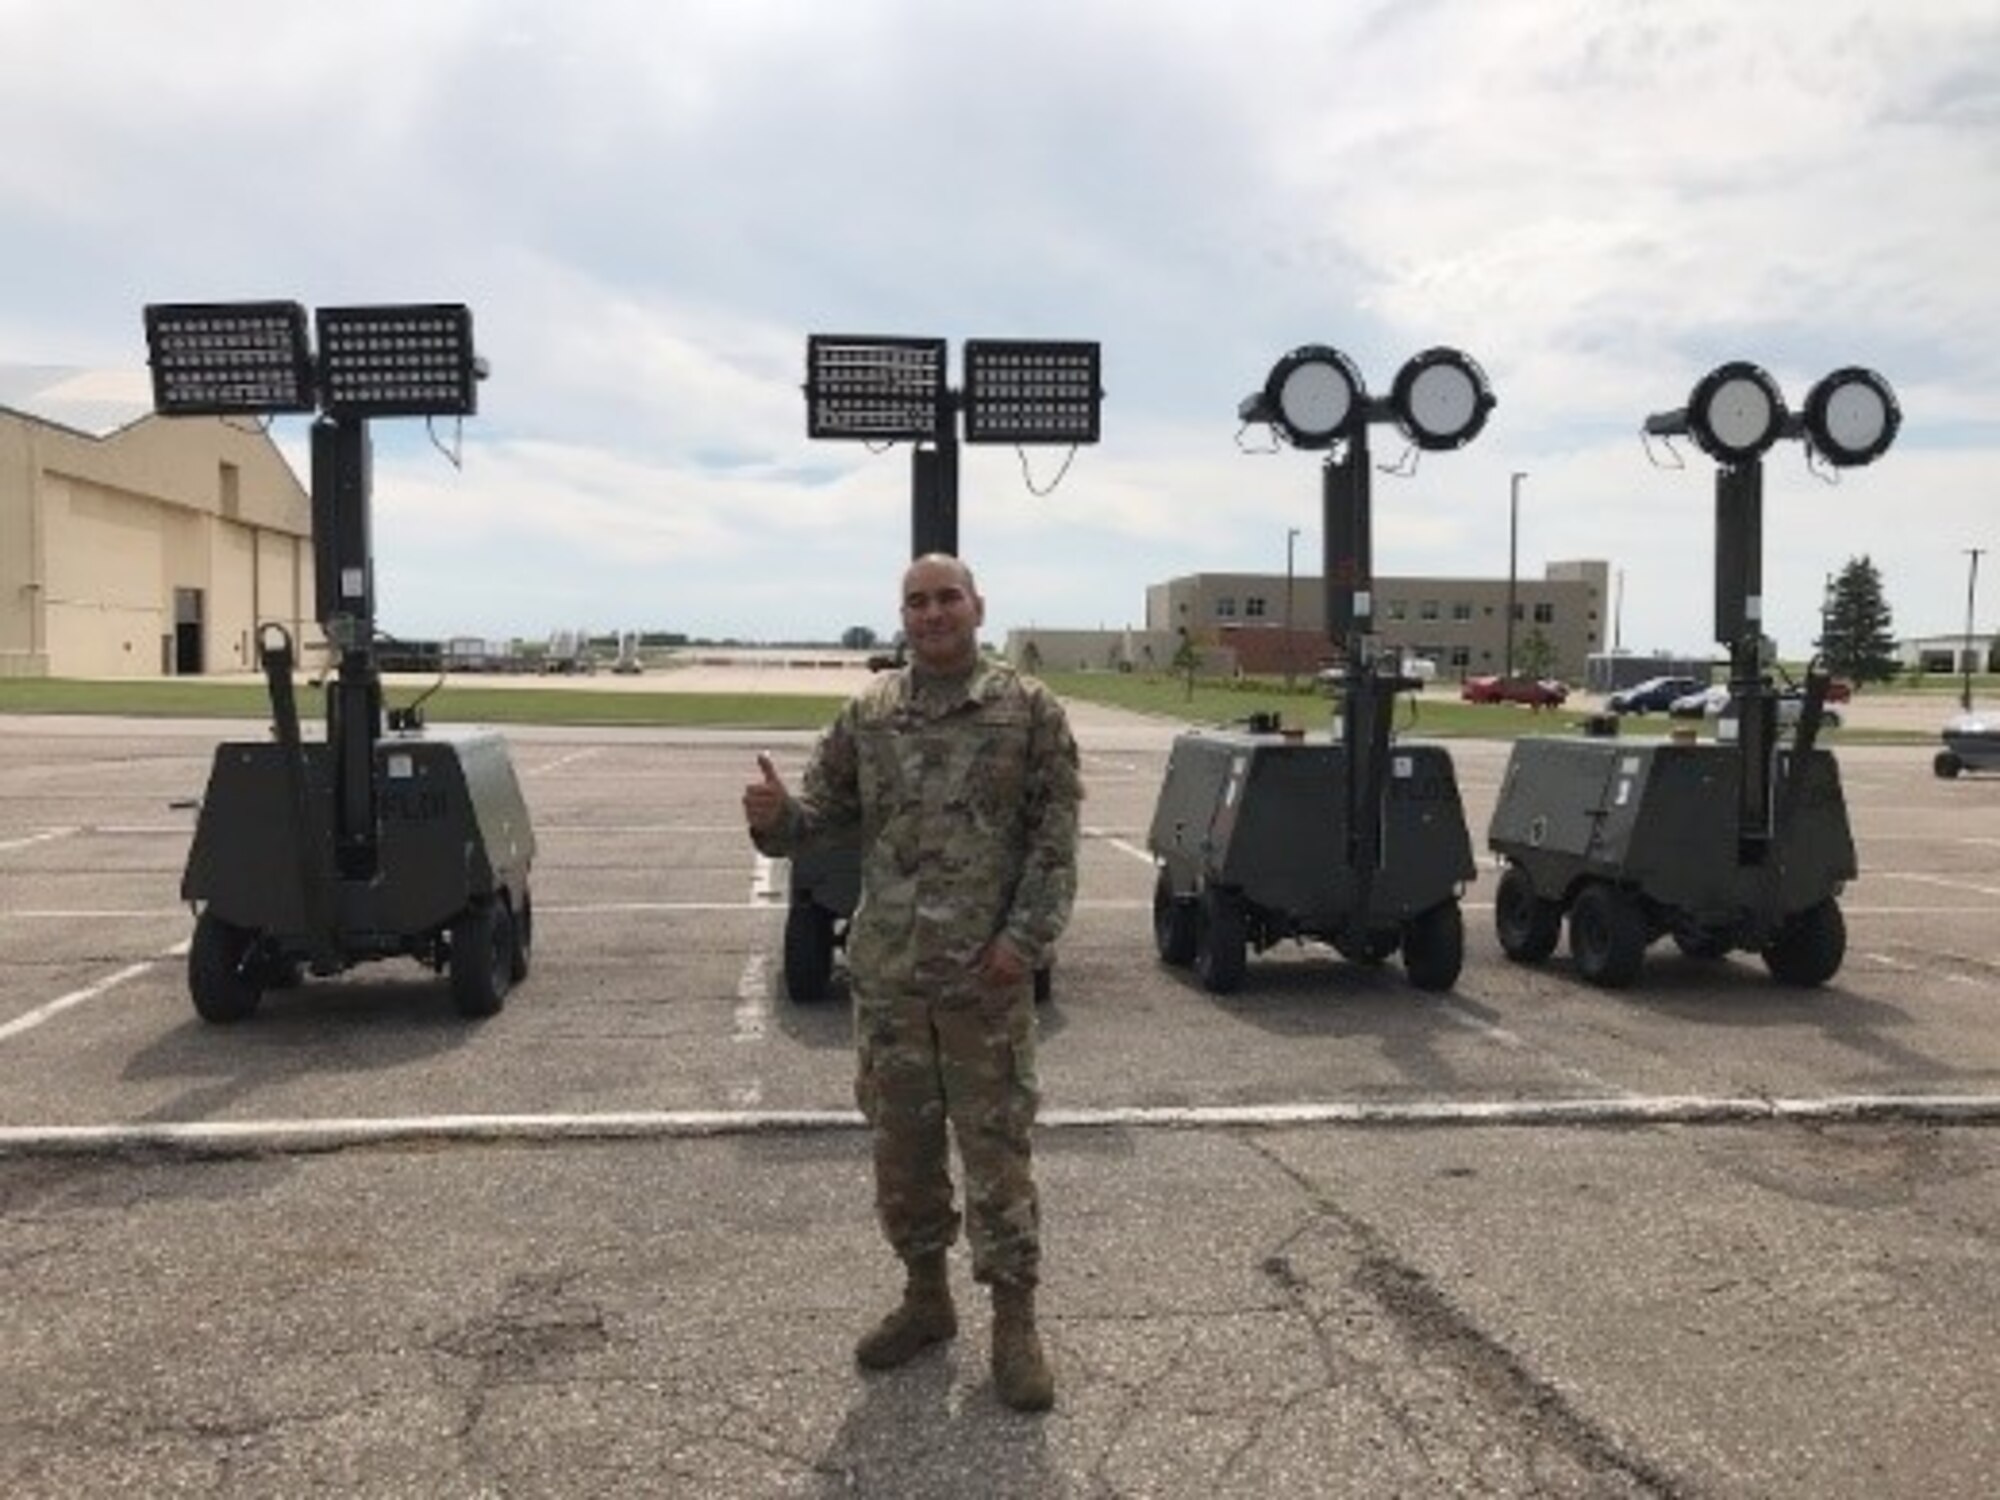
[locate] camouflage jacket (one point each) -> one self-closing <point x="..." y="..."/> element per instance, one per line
<point x="964" y="792"/>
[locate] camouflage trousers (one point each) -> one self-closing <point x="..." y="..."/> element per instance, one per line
<point x="925" y="1063"/>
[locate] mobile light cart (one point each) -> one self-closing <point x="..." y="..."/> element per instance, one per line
<point x="1261" y="836"/>
<point x="313" y="857"/>
<point x="1739" y="843"/>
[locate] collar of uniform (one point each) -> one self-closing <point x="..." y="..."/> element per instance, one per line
<point x="938" y="693"/>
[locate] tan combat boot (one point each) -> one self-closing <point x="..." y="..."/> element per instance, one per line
<point x="1021" y="1371"/>
<point x="924" y="1317"/>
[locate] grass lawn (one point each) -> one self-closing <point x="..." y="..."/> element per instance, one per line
<point x="451" y="704"/>
<point x="1436" y="712"/>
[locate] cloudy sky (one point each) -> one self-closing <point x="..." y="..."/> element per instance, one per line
<point x="650" y="203"/>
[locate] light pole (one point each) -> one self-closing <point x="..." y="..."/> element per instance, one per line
<point x="1291" y="536"/>
<point x="1965" y="651"/>
<point x="1513" y="545"/>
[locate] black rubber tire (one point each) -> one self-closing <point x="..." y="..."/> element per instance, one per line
<point x="1810" y="949"/>
<point x="1528" y="925"/>
<point x="1947" y="765"/>
<point x="1607" y="936"/>
<point x="220" y="983"/>
<point x="1175" y="924"/>
<point x="1434" y="947"/>
<point x="524" y="937"/>
<point x="482" y="959"/>
<point x="1221" y="953"/>
<point x="809" y="945"/>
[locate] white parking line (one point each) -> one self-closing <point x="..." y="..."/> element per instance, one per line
<point x="563" y="760"/>
<point x="1937" y="880"/>
<point x="1125" y="846"/>
<point x="102" y="913"/>
<point x="751" y="1019"/>
<point x="1501" y="1036"/>
<point x="333" y="1134"/>
<point x="56" y="1007"/>
<point x="764" y="882"/>
<point x="47" y="835"/>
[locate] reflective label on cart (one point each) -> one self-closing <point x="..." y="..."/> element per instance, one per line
<point x="1236" y="768"/>
<point x="401" y="767"/>
<point x="1629" y="766"/>
<point x="1402" y="767"/>
<point x="1624" y="793"/>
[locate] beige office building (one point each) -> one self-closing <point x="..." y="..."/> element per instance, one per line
<point x="149" y="549"/>
<point x="1459" y="623"/>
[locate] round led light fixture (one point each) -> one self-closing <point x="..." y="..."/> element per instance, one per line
<point x="1441" y="399"/>
<point x="1736" y="412"/>
<point x="1314" y="395"/>
<point x="1852" y="416"/>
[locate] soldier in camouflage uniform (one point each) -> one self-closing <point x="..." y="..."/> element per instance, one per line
<point x="962" y="777"/>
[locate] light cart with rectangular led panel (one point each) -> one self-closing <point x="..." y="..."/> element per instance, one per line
<point x="883" y="389"/>
<point x="315" y="856"/>
<point x="1359" y="841"/>
<point x="1741" y="843"/>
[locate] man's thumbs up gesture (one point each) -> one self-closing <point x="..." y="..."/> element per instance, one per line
<point x="764" y="799"/>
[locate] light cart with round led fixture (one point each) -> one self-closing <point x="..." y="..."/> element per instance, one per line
<point x="1356" y="840"/>
<point x="1738" y="844"/>
<point x="314" y="857"/>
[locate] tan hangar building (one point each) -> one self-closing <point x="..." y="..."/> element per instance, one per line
<point x="133" y="545"/>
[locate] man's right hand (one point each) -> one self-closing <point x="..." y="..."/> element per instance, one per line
<point x="764" y="800"/>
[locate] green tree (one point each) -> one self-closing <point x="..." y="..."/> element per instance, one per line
<point x="1186" y="658"/>
<point x="1857" y="640"/>
<point x="858" y="638"/>
<point x="1535" y="656"/>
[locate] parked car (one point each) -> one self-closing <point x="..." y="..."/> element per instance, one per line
<point x="1706" y="703"/>
<point x="1542" y="692"/>
<point x="1791" y="701"/>
<point x="1653" y="695"/>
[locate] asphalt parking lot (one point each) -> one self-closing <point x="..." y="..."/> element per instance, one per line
<point x="1325" y="1236"/>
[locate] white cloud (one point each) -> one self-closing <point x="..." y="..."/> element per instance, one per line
<point x="649" y="205"/>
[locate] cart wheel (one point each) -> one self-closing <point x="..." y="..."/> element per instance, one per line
<point x="808" y="952"/>
<point x="1434" y="947"/>
<point x="1527" y="925"/>
<point x="1947" y="765"/>
<point x="1175" y="924"/>
<point x="482" y="959"/>
<point x="1809" y="949"/>
<point x="1219" y="953"/>
<point x="1607" y="936"/>
<point x="524" y="937"/>
<point x="1045" y="982"/>
<point x="219" y="979"/>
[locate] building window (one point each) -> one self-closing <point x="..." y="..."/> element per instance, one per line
<point x="1225" y="607"/>
<point x="1461" y="656"/>
<point x="1461" y="610"/>
<point x="1545" y="614"/>
<point x="1427" y="610"/>
<point x="1253" y="607"/>
<point x="1396" y="609"/>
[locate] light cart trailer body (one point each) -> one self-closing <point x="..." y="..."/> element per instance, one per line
<point x="1738" y="844"/>
<point x="882" y="390"/>
<point x="1251" y="835"/>
<point x="314" y="858"/>
<point x="1359" y="842"/>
